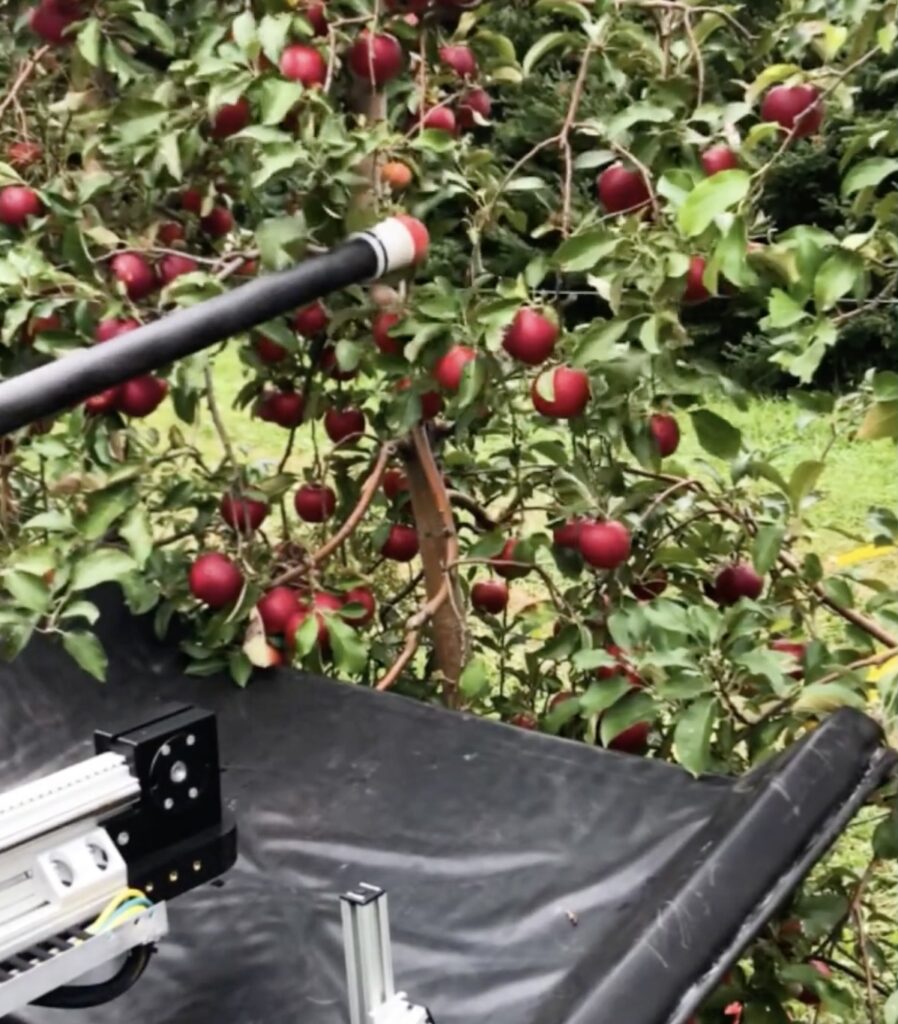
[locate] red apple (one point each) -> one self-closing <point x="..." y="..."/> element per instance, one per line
<point x="459" y="59"/>
<point x="620" y="668"/>
<point x="105" y="402"/>
<point x="795" y="651"/>
<point x="695" y="286"/>
<point x="737" y="581"/>
<point x="666" y="432"/>
<point x="795" y="108"/>
<point x="650" y="585"/>
<point x="380" y="330"/>
<point x="218" y="222"/>
<point x="568" y="535"/>
<point x="245" y="515"/>
<point x="490" y="596"/>
<point x="231" y="118"/>
<point x="523" y="720"/>
<point x="605" y="545"/>
<point x="172" y="266"/>
<point x="135" y="274"/>
<point x="215" y="580"/>
<point x="170" y="232"/>
<point x="431" y="401"/>
<point x="448" y="370"/>
<point x="314" y="503"/>
<point x="377" y="59"/>
<point x="531" y="337"/>
<point x="269" y="351"/>
<point x="310" y="320"/>
<point x="342" y="424"/>
<point x="191" y="200"/>
<point x="40" y="325"/>
<point x="330" y="366"/>
<point x="719" y="158"/>
<point x="622" y="190"/>
<point x="23" y="154"/>
<point x="315" y="14"/>
<point x="108" y="329"/>
<point x="141" y="395"/>
<point x="808" y="996"/>
<point x="52" y="18"/>
<point x="17" y="204"/>
<point x="394" y="483"/>
<point x="275" y="608"/>
<point x="285" y="408"/>
<point x="303" y="64"/>
<point x="473" y="104"/>
<point x="571" y="393"/>
<point x="321" y="603"/>
<point x="633" y="740"/>
<point x="440" y="119"/>
<point x="401" y="544"/>
<point x="502" y="566"/>
<point x="363" y="597"/>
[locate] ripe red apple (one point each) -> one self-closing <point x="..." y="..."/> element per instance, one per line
<point x="102" y="403"/>
<point x="40" y="325"/>
<point x="808" y="996"/>
<point x="795" y="108"/>
<point x="314" y="503"/>
<point x="531" y="337"/>
<point x="568" y="535"/>
<point x="135" y="274"/>
<point x="449" y="368"/>
<point x="490" y="596"/>
<point x="141" y="395"/>
<point x="285" y="408"/>
<point x="170" y="232"/>
<point x="394" y="483"/>
<point x="342" y="424"/>
<point x="571" y="388"/>
<point x="363" y="597"/>
<point x="23" y="154"/>
<point x="621" y="667"/>
<point x="269" y="351"/>
<point x="796" y="652"/>
<point x="231" y="118"/>
<point x="651" y="585"/>
<point x="108" y="329"/>
<point x="719" y="158"/>
<point x="473" y="104"/>
<point x="245" y="515"/>
<point x="459" y="59"/>
<point x="17" y="204"/>
<point x="377" y="59"/>
<point x="315" y="14"/>
<point x="174" y="265"/>
<point x="380" y="330"/>
<point x="322" y="605"/>
<point x="431" y="401"/>
<point x="666" y="431"/>
<point x="695" y="287"/>
<point x="215" y="580"/>
<point x="218" y="222"/>
<point x="330" y="366"/>
<point x="523" y="720"/>
<point x="401" y="544"/>
<point x="736" y="581"/>
<point x="310" y="320"/>
<point x="52" y="18"/>
<point x="502" y="566"/>
<point x="192" y="200"/>
<point x="440" y="119"/>
<point x="633" y="740"/>
<point x="303" y="64"/>
<point x="275" y="608"/>
<point x="622" y="190"/>
<point x="605" y="545"/>
<point x="397" y="175"/>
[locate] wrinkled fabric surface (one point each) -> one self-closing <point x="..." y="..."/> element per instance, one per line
<point x="531" y="880"/>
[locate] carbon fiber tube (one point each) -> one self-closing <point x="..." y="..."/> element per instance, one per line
<point x="395" y="243"/>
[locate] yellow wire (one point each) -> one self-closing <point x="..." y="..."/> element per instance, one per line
<point x="113" y="904"/>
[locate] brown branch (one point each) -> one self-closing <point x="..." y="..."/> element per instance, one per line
<point x="871" y="662"/>
<point x="481" y="516"/>
<point x="395" y="671"/>
<point x="217" y="420"/>
<point x="865" y="958"/>
<point x="697" y="56"/>
<point x="366" y="496"/>
<point x="23" y="76"/>
<point x="564" y="141"/>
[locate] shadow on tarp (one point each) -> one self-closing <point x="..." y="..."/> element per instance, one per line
<point x="532" y="880"/>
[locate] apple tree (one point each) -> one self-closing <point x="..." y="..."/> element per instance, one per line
<point x="472" y="487"/>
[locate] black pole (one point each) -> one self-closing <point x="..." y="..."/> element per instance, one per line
<point x="59" y="385"/>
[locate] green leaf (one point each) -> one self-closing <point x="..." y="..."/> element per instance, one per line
<point x="53" y="521"/>
<point x="825" y="697"/>
<point x="881" y="421"/>
<point x="868" y="174"/>
<point x="104" y="508"/>
<point x="157" y="29"/>
<point x="349" y="650"/>
<point x="138" y="532"/>
<point x="104" y="565"/>
<point x="716" y="435"/>
<point x="88" y="652"/>
<point x="784" y="310"/>
<point x="635" y="706"/>
<point x="89" y="41"/>
<point x="890" y="1010"/>
<point x="836" y="278"/>
<point x="766" y="547"/>
<point x="602" y="695"/>
<point x="273" y="32"/>
<point x="86" y="610"/>
<point x="473" y="378"/>
<point x="544" y="45"/>
<point x="885" y="386"/>
<point x="281" y="241"/>
<point x="27" y="591"/>
<point x="243" y="29"/>
<point x="803" y="480"/>
<point x="240" y="667"/>
<point x="598" y="340"/>
<point x="692" y="736"/>
<point x="772" y="74"/>
<point x="278" y="97"/>
<point x="170" y="155"/>
<point x="474" y="680"/>
<point x="710" y="198"/>
<point x="636" y="113"/>
<point x="583" y="252"/>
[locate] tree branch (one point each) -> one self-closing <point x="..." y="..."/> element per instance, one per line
<point x="23" y="76"/>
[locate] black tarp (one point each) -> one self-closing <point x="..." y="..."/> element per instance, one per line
<point x="532" y="880"/>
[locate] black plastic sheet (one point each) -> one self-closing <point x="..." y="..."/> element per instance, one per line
<point x="532" y="880"/>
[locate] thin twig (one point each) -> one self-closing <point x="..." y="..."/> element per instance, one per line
<point x="699" y="60"/>
<point x="23" y="76"/>
<point x="217" y="420"/>
<point x="865" y="959"/>
<point x="678" y="5"/>
<point x="564" y="140"/>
